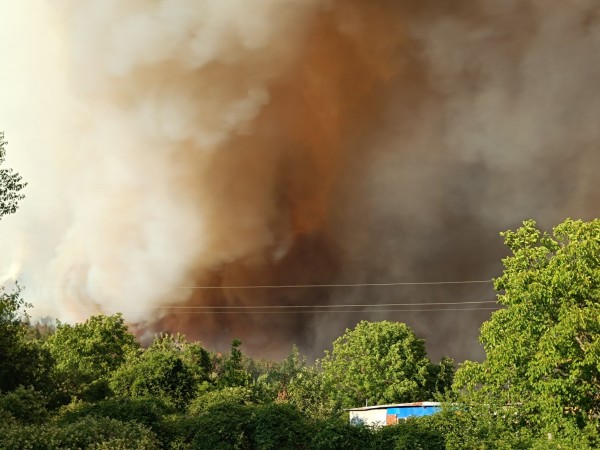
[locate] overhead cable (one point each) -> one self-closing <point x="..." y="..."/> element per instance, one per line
<point x="292" y="286"/>
<point x="337" y="305"/>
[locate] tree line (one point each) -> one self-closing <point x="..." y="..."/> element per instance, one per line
<point x="92" y="385"/>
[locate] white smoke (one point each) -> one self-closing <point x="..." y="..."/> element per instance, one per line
<point x="114" y="110"/>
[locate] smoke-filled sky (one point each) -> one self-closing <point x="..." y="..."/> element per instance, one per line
<point x="178" y="143"/>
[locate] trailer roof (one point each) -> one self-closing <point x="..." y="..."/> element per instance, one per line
<point x="395" y="405"/>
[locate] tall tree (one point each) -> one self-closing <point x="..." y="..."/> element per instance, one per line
<point x="382" y="362"/>
<point x="233" y="371"/>
<point x="312" y="393"/>
<point x="11" y="184"/>
<point x="543" y="348"/>
<point x="281" y="374"/>
<point x="22" y="360"/>
<point x="87" y="353"/>
<point x="170" y="369"/>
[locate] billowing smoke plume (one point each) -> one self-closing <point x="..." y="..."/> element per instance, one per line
<point x="178" y="143"/>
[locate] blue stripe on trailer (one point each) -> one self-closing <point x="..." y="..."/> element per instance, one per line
<point x="413" y="411"/>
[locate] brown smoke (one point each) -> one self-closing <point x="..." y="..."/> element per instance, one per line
<point x="281" y="142"/>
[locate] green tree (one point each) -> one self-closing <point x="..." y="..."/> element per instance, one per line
<point x="543" y="349"/>
<point x="11" y="334"/>
<point x="87" y="353"/>
<point x="22" y="361"/>
<point x="194" y="356"/>
<point x="313" y="394"/>
<point x="274" y="381"/>
<point x="10" y="185"/>
<point x="168" y="369"/>
<point x="25" y="404"/>
<point x="382" y="362"/>
<point x="233" y="372"/>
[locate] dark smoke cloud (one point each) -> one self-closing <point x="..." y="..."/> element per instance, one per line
<point x="223" y="144"/>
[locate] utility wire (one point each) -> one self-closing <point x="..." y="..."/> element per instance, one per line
<point x="338" y="305"/>
<point x="347" y="311"/>
<point x="339" y="311"/>
<point x="292" y="286"/>
<point x="319" y="311"/>
<point x="355" y="311"/>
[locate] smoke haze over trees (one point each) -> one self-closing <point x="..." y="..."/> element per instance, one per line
<point x="91" y="385"/>
<point x="537" y="388"/>
<point x="181" y="143"/>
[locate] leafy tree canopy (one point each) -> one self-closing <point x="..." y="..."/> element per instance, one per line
<point x="170" y="370"/>
<point x="22" y="360"/>
<point x="276" y="380"/>
<point x="11" y="334"/>
<point x="233" y="372"/>
<point x="312" y="393"/>
<point x="88" y="352"/>
<point x="95" y="347"/>
<point x="543" y="348"/>
<point x="381" y="362"/>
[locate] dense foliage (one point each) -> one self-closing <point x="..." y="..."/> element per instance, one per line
<point x="383" y="362"/>
<point x="91" y="385"/>
<point x="86" y="354"/>
<point x="543" y="350"/>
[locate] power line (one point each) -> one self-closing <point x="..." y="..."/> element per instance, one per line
<point x="317" y="311"/>
<point x="293" y="286"/>
<point x="355" y="311"/>
<point x="338" y="305"/>
<point x="352" y="311"/>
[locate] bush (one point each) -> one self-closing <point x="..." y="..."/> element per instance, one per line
<point x="418" y="434"/>
<point x="178" y="431"/>
<point x="338" y="434"/>
<point x="424" y="433"/>
<point x="239" y="395"/>
<point x="479" y="426"/>
<point x="21" y="437"/>
<point x="25" y="404"/>
<point x="88" y="433"/>
<point x="224" y="427"/>
<point x="6" y="420"/>
<point x="310" y="392"/>
<point x="147" y="411"/>
<point x="280" y="426"/>
<point x="156" y="373"/>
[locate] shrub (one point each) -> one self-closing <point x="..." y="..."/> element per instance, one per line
<point x="338" y="434"/>
<point x="147" y="411"/>
<point x="89" y="433"/>
<point x="224" y="427"/>
<point x="156" y="373"/>
<point x="229" y="395"/>
<point x="280" y="426"/>
<point x="25" y="404"/>
<point x="418" y="434"/>
<point x="178" y="431"/>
